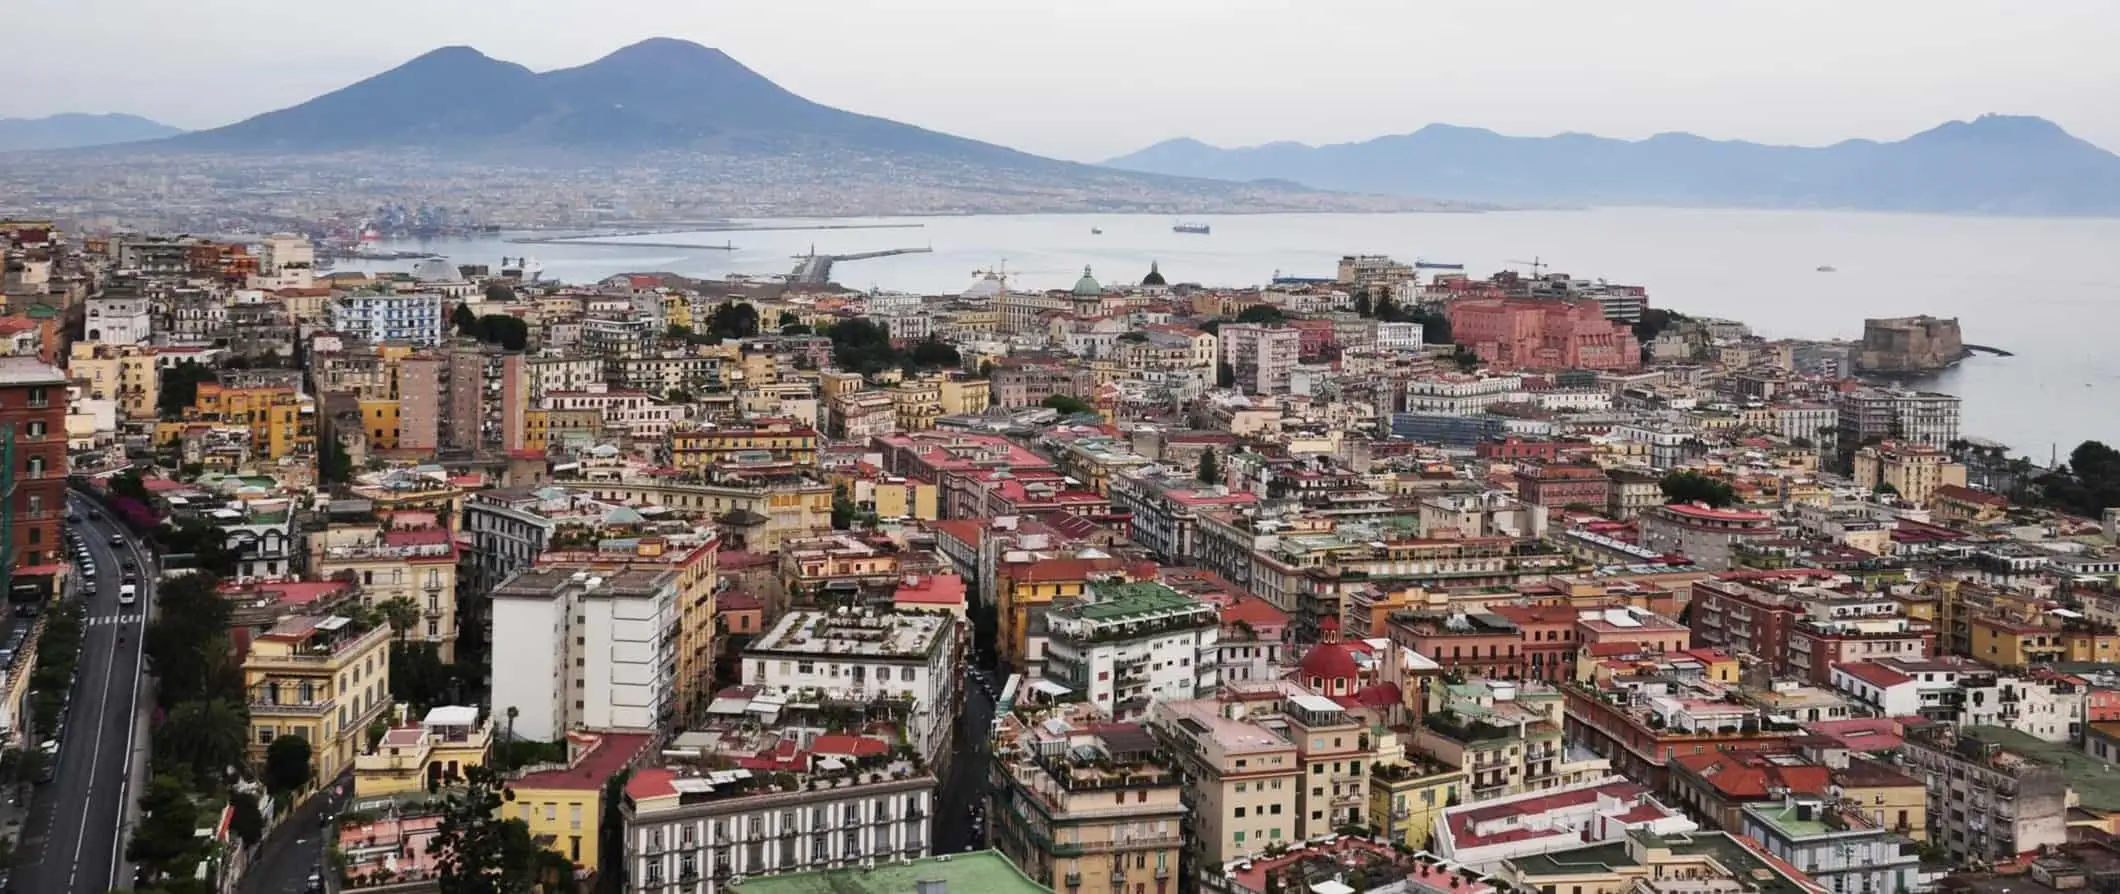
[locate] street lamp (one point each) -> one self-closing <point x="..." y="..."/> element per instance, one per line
<point x="508" y="756"/>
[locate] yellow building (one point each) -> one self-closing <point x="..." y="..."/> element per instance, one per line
<point x="408" y="759"/>
<point x="1901" y="801"/>
<point x="677" y="309"/>
<point x="2015" y="645"/>
<point x="964" y="396"/>
<point x="782" y="441"/>
<point x="1083" y="813"/>
<point x="693" y="557"/>
<point x="1914" y="471"/>
<point x="544" y="428"/>
<point x="380" y="418"/>
<point x="321" y="678"/>
<point x="563" y="806"/>
<point x="282" y="421"/>
<point x="417" y="565"/>
<point x="918" y="403"/>
<point x="124" y="373"/>
<point x="1406" y="799"/>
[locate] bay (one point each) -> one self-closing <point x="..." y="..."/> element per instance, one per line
<point x="2047" y="289"/>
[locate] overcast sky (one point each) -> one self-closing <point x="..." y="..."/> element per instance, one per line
<point x="1088" y="79"/>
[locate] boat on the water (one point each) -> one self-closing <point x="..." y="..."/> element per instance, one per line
<point x="1096" y="231"/>
<point x="1828" y="268"/>
<point x="1194" y="229"/>
<point x="1436" y="265"/>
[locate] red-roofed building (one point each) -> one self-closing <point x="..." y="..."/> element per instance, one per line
<point x="930" y="592"/>
<point x="1484" y="834"/>
<point x="563" y="805"/>
<point x="1717" y="785"/>
<point x="1710" y="537"/>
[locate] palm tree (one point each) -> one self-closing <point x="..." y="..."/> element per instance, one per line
<point x="207" y="735"/>
<point x="402" y="613"/>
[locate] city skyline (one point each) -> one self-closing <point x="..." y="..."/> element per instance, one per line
<point x="1101" y="78"/>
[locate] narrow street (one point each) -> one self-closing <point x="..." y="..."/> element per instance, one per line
<point x="960" y="805"/>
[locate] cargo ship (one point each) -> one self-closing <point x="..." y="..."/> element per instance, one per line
<point x="1436" y="265"/>
<point x="1194" y="229"/>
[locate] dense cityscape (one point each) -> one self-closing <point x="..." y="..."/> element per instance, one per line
<point x="1403" y="579"/>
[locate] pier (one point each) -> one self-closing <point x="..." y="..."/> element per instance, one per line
<point x="1987" y="349"/>
<point x="816" y="269"/>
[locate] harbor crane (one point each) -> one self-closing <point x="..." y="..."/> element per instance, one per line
<point x="1536" y="264"/>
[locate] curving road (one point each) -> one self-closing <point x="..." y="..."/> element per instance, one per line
<point x="75" y="828"/>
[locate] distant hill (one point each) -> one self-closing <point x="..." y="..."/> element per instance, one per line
<point x="73" y="131"/>
<point x="659" y="95"/>
<point x="1996" y="163"/>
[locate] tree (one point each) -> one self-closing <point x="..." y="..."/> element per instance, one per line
<point x="1067" y="405"/>
<point x="500" y="293"/>
<point x="129" y="484"/>
<point x="1210" y="468"/>
<point x="793" y="329"/>
<point x="206" y="544"/>
<point x="1654" y="321"/>
<point x="248" y="823"/>
<point x="932" y="352"/>
<point x="187" y="643"/>
<point x="1225" y="376"/>
<point x="402" y="613"/>
<point x="735" y="319"/>
<point x="165" y="839"/>
<point x="678" y="331"/>
<point x="843" y="508"/>
<point x="1262" y="313"/>
<point x="1362" y="306"/>
<point x="465" y="320"/>
<point x="510" y="332"/>
<point x="986" y="370"/>
<point x="1886" y="488"/>
<point x="1694" y="487"/>
<point x="787" y="318"/>
<point x="209" y="736"/>
<point x="861" y="346"/>
<point x="1466" y="360"/>
<point x="180" y="387"/>
<point x="287" y="767"/>
<point x="475" y="850"/>
<point x="334" y="464"/>
<point x="678" y="396"/>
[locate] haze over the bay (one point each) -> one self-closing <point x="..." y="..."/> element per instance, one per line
<point x="1092" y="79"/>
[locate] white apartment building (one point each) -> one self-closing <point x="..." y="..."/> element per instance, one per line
<point x="1261" y="356"/>
<point x="864" y="655"/>
<point x="1132" y="645"/>
<point x="701" y="832"/>
<point x="414" y="317"/>
<point x="570" y="372"/>
<point x="119" y="321"/>
<point x="577" y="651"/>
<point x="285" y="261"/>
<point x="1403" y="338"/>
<point x="1459" y="395"/>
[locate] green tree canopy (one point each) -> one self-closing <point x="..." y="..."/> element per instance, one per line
<point x="1068" y="406"/>
<point x="208" y="736"/>
<point x="1694" y="487"/>
<point x="180" y="387"/>
<point x="1262" y="313"/>
<point x="165" y="840"/>
<point x="287" y="766"/>
<point x="476" y="850"/>
<point x="510" y="332"/>
<point x="932" y="352"/>
<point x="861" y="346"/>
<point x="1210" y="471"/>
<point x="499" y="292"/>
<point x="465" y="320"/>
<point x="734" y="319"/>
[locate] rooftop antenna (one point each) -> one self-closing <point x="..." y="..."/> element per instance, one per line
<point x="1536" y="263"/>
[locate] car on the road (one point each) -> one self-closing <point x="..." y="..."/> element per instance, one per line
<point x="127" y="563"/>
<point x="117" y="540"/>
<point x="127" y="593"/>
<point x="315" y="884"/>
<point x="95" y="515"/>
<point x="73" y="518"/>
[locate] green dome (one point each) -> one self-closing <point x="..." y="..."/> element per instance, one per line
<point x="1087" y="286"/>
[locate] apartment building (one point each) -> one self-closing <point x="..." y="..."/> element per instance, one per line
<point x="1869" y="415"/>
<point x="1913" y="471"/>
<point x="1084" y="805"/>
<point x="129" y="375"/>
<point x="413" y="317"/>
<point x="585" y="651"/>
<point x="1995" y="793"/>
<point x="1261" y="356"/>
<point x="1709" y="537"/>
<point x="1242" y="781"/>
<point x="322" y="679"/>
<point x="562" y="803"/>
<point x="412" y="758"/>
<point x="1639" y="723"/>
<point x="33" y="452"/>
<point x="767" y="440"/>
<point x="1505" y="738"/>
<point x="1407" y="797"/>
<point x="1839" y="845"/>
<point x="416" y="565"/>
<point x="1131" y="644"/>
<point x="281" y="419"/>
<point x="913" y="660"/>
<point x="693" y="830"/>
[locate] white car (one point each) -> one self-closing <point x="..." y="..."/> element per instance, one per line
<point x="127" y="593"/>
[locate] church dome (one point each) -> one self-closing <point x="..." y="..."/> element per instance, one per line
<point x="1154" y="277"/>
<point x="1087" y="286"/>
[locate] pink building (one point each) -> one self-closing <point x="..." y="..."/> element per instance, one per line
<point x="1512" y="333"/>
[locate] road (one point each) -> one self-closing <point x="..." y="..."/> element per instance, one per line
<point x="77" y="818"/>
<point x="960" y="828"/>
<point x="295" y="848"/>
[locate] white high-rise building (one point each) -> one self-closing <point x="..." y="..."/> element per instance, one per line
<point x="574" y="650"/>
<point x="285" y="261"/>
<point x="414" y="317"/>
<point x="1134" y="644"/>
<point x="865" y="655"/>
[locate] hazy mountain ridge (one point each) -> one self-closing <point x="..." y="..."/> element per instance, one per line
<point x="1995" y="163"/>
<point x="74" y="130"/>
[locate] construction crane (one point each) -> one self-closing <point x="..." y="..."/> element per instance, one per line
<point x="1537" y="266"/>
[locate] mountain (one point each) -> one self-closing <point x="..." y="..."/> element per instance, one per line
<point x="659" y="95"/>
<point x="73" y="131"/>
<point x="1995" y="163"/>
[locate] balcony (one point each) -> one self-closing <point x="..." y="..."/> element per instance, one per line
<point x="1072" y="880"/>
<point x="293" y="709"/>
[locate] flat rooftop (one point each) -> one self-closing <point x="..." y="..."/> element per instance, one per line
<point x="982" y="872"/>
<point x="869" y="633"/>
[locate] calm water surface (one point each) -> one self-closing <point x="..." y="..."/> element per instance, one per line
<point x="2045" y="288"/>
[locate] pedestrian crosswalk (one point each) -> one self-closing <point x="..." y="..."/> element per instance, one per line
<point x="128" y="618"/>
